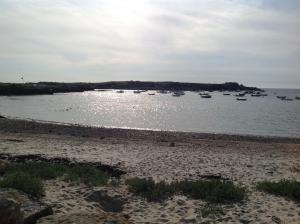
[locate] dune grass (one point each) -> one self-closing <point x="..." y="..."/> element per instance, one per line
<point x="86" y="174"/>
<point x="214" y="191"/>
<point x="78" y="173"/>
<point x="28" y="177"/>
<point x="24" y="182"/>
<point x="211" y="209"/>
<point x="150" y="190"/>
<point x="286" y="188"/>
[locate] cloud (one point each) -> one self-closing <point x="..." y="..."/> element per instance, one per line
<point x="191" y="40"/>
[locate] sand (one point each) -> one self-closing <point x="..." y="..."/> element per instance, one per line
<point x="242" y="159"/>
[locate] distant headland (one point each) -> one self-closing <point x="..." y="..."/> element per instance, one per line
<point x="59" y="87"/>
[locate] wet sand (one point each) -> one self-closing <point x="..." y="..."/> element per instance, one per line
<point x="242" y="159"/>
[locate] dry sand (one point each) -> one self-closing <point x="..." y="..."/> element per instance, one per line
<point x="243" y="159"/>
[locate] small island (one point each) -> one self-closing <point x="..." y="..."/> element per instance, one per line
<point x="59" y="87"/>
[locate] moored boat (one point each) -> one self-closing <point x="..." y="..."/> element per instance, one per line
<point x="287" y="99"/>
<point x="176" y="95"/>
<point x="281" y="97"/>
<point x="256" y="95"/>
<point x="241" y="99"/>
<point x="240" y="94"/>
<point x="162" y="91"/>
<point x="205" y="96"/>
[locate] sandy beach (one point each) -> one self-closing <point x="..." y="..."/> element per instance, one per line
<point x="163" y="156"/>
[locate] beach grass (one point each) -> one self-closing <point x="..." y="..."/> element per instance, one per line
<point x="211" y="209"/>
<point x="214" y="191"/>
<point x="24" y="182"/>
<point x="86" y="174"/>
<point x="44" y="170"/>
<point x="28" y="177"/>
<point x="150" y="190"/>
<point x="286" y="188"/>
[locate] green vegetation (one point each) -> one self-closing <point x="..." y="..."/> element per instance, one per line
<point x="215" y="191"/>
<point x="24" y="182"/>
<point x="86" y="174"/>
<point x="212" y="191"/>
<point x="286" y="188"/>
<point x="44" y="170"/>
<point x="210" y="209"/>
<point x="28" y="177"/>
<point x="150" y="190"/>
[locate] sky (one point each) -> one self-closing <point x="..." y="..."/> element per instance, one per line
<point x="254" y="42"/>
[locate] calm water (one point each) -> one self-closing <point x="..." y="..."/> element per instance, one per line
<point x="221" y="114"/>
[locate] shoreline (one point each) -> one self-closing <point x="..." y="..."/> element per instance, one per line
<point x="163" y="156"/>
<point x="12" y="124"/>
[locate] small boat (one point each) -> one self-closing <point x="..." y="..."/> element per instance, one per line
<point x="162" y="91"/>
<point x="206" y="96"/>
<point x="137" y="91"/>
<point x="297" y="98"/>
<point x="287" y="99"/>
<point x="176" y="95"/>
<point x="151" y="94"/>
<point x="226" y="94"/>
<point x="101" y="90"/>
<point x="240" y="94"/>
<point x="241" y="99"/>
<point x="281" y="97"/>
<point x="120" y="91"/>
<point x="256" y="95"/>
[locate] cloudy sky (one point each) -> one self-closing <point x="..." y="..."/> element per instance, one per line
<point x="255" y="42"/>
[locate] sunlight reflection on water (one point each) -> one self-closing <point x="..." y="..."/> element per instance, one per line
<point x="221" y="114"/>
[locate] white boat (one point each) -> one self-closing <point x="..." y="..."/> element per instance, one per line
<point x="206" y="96"/>
<point x="256" y="95"/>
<point x="120" y="91"/>
<point x="240" y="94"/>
<point x="176" y="94"/>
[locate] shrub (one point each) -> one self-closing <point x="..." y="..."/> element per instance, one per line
<point x="87" y="174"/>
<point x="42" y="170"/>
<point x="24" y="182"/>
<point x="45" y="170"/>
<point x="150" y="190"/>
<point x="215" y="191"/>
<point x="286" y="188"/>
<point x="211" y="191"/>
<point x="211" y="210"/>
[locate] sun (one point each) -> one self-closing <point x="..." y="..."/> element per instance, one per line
<point x="130" y="12"/>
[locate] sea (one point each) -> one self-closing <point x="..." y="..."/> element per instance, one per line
<point x="263" y="116"/>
